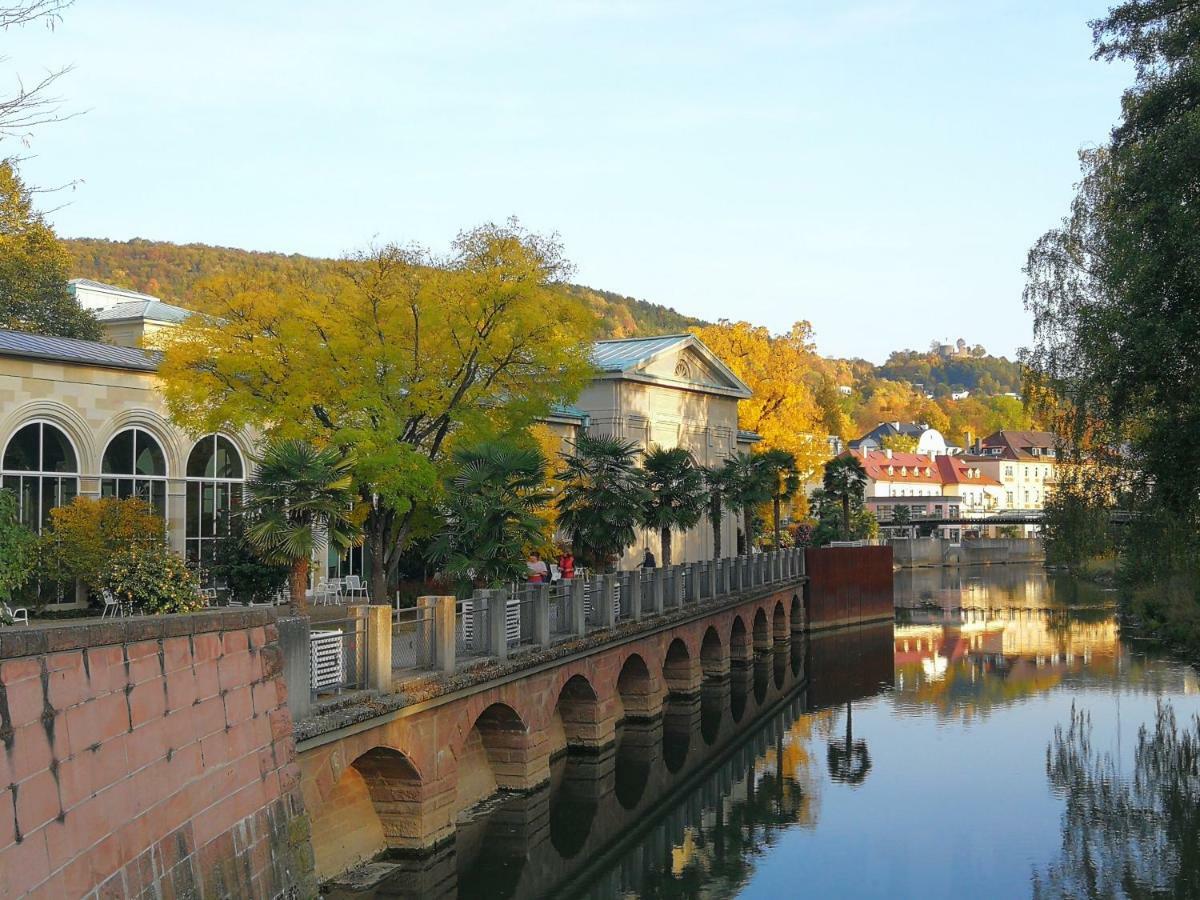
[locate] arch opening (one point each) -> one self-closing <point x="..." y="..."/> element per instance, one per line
<point x="492" y="756"/>
<point x="578" y="715"/>
<point x="739" y="642"/>
<point x="134" y="465"/>
<point x="680" y="671"/>
<point x="779" y="623"/>
<point x="41" y="467"/>
<point x="714" y="662"/>
<point x="762" y="633"/>
<point x="797" y="614"/>
<point x="638" y="694"/>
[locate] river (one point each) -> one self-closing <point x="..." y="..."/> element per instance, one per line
<point x="983" y="745"/>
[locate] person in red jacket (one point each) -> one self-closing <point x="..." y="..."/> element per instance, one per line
<point x="566" y="564"/>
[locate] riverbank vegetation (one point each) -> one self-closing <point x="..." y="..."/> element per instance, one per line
<point x="1117" y="328"/>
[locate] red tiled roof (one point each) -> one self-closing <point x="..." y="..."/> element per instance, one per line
<point x="876" y="464"/>
<point x="956" y="470"/>
<point x="1014" y="444"/>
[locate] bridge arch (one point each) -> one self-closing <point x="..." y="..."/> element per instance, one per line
<point x="779" y="624"/>
<point x="379" y="802"/>
<point x="578" y="719"/>
<point x="714" y="657"/>
<point x="739" y="642"/>
<point x="637" y="690"/>
<point x="762" y="633"/>
<point x="796" y="615"/>
<point x="681" y="670"/>
<point x="497" y="752"/>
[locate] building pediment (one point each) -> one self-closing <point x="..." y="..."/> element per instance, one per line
<point x="680" y="361"/>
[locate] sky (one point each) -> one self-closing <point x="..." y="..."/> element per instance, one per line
<point x="877" y="167"/>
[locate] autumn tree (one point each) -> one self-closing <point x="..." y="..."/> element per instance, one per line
<point x="86" y="535"/>
<point x="396" y="354"/>
<point x="34" y="268"/>
<point x="778" y="468"/>
<point x="784" y="372"/>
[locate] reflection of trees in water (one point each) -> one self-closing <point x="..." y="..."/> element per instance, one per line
<point x="1123" y="835"/>
<point x="849" y="760"/>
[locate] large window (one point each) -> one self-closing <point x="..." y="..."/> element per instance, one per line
<point x="41" y="468"/>
<point x="134" y="466"/>
<point x="215" y="477"/>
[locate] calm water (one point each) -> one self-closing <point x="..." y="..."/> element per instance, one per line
<point x="919" y="759"/>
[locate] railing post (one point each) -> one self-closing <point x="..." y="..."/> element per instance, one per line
<point x="746" y="576"/>
<point x="541" y="615"/>
<point x="713" y="573"/>
<point x="578" y="612"/>
<point x="635" y="594"/>
<point x="694" y="582"/>
<point x="802" y="559"/>
<point x="602" y="600"/>
<point x="497" y="617"/>
<point x="660" y="589"/>
<point x="379" y="648"/>
<point x="440" y="621"/>
<point x="295" y="643"/>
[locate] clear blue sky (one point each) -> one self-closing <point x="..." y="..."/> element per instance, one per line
<point x="878" y="167"/>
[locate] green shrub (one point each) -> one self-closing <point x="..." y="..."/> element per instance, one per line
<point x="18" y="546"/>
<point x="153" y="578"/>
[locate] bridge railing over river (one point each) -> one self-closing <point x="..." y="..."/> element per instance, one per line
<point x="443" y="634"/>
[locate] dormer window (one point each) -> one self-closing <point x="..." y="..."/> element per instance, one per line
<point x="891" y="470"/>
<point x="904" y="470"/>
<point x="927" y="472"/>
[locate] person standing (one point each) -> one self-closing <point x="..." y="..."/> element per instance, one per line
<point x="566" y="565"/>
<point x="539" y="572"/>
<point x="648" y="561"/>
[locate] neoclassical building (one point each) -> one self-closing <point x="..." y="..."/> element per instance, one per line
<point x="79" y="418"/>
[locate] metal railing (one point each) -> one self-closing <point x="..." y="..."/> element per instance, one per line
<point x="375" y="644"/>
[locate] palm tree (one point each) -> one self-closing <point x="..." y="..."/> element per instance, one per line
<point x="846" y="480"/>
<point x="602" y="497"/>
<point x="674" y="494"/>
<point x="719" y="480"/>
<point x="749" y="488"/>
<point x="849" y="761"/>
<point x="297" y="492"/>
<point x="491" y="513"/>
<point x="782" y="479"/>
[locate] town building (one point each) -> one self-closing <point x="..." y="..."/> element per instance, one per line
<point x="81" y="418"/>
<point x="927" y="487"/>
<point x="1024" y="462"/>
<point x="929" y="440"/>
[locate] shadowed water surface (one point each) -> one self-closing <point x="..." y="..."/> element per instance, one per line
<point x="985" y="745"/>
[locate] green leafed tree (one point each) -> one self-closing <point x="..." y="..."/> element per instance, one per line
<point x="749" y="488"/>
<point x="675" y="495"/>
<point x="602" y="498"/>
<point x="34" y="268"/>
<point x="783" y="481"/>
<point x="490" y="513"/>
<point x="846" y="481"/>
<point x="720" y="481"/>
<point x="1114" y="288"/>
<point x="18" y="548"/>
<point x="298" y="498"/>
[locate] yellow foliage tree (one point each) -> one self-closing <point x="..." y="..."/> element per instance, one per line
<point x="87" y="534"/>
<point x="395" y="356"/>
<point x="781" y="371"/>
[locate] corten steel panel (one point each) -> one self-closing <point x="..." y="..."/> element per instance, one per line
<point x="849" y="664"/>
<point x="847" y="585"/>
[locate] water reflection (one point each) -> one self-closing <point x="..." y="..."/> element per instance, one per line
<point x="683" y="802"/>
<point x="830" y="768"/>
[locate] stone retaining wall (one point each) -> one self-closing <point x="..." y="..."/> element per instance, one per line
<point x="148" y="758"/>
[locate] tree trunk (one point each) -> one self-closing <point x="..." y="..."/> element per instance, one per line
<point x="298" y="583"/>
<point x="748" y="516"/>
<point x="665" y="537"/>
<point x="845" y="517"/>
<point x="775" y="513"/>
<point x="715" y="517"/>
<point x="378" y="576"/>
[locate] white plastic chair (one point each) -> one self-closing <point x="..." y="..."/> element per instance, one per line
<point x="322" y="593"/>
<point x="355" y="586"/>
<point x="19" y="614"/>
<point x="112" y="606"/>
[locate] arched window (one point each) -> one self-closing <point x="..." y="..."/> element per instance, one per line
<point x="40" y="466"/>
<point x="215" y="476"/>
<point x="134" y="466"/>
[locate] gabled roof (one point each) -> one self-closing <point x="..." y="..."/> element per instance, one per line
<point x="90" y="353"/>
<point x="1018" y="444"/>
<point x="566" y="412"/>
<point x="628" y="358"/>
<point x="876" y="463"/>
<point x="119" y="293"/>
<point x="889" y="429"/>
<point x="150" y="310"/>
<point x="959" y="470"/>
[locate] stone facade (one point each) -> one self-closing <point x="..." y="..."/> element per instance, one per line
<point x="149" y="758"/>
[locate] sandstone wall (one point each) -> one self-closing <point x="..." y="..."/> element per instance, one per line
<point x="149" y="758"/>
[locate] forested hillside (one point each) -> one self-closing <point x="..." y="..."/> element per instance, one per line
<point x="170" y="271"/>
<point x="943" y="373"/>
